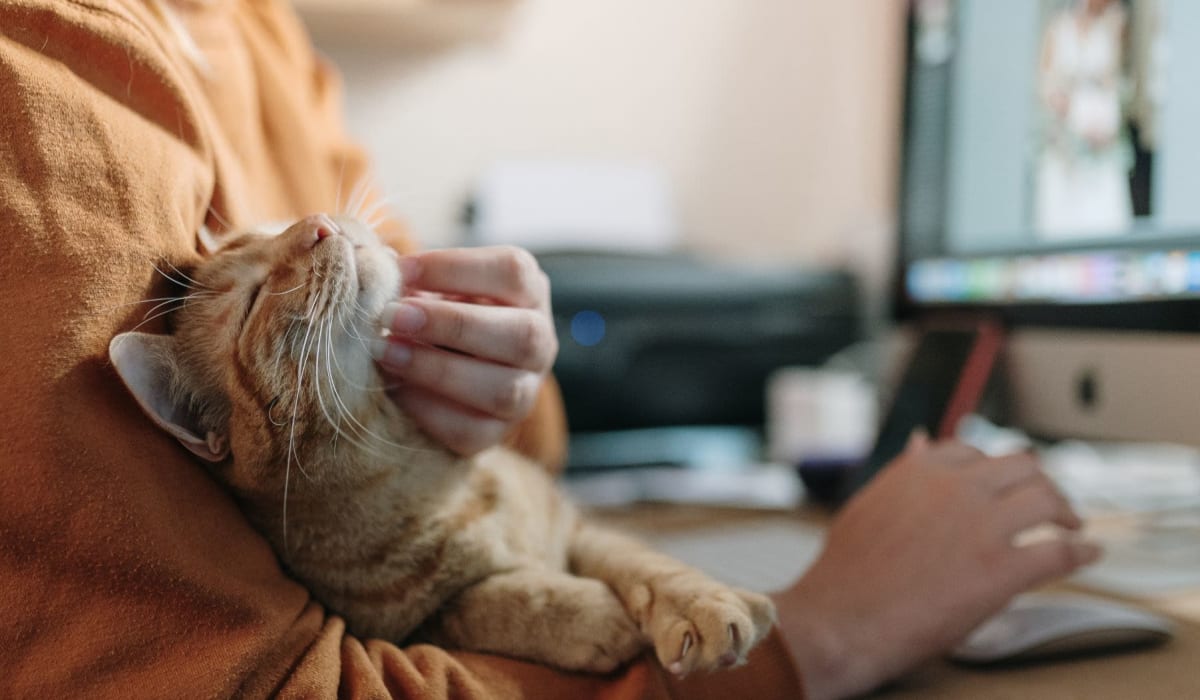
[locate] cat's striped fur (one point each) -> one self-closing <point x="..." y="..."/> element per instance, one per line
<point x="268" y="375"/>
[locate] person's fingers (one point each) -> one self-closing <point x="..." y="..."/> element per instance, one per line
<point x="1036" y="503"/>
<point x="1034" y="564"/>
<point x="954" y="453"/>
<point x="495" y="390"/>
<point x="918" y="441"/>
<point x="506" y="274"/>
<point x="511" y="336"/>
<point x="464" y="431"/>
<point x="999" y="474"/>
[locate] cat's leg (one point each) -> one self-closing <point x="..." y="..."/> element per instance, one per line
<point x="694" y="622"/>
<point x="541" y="615"/>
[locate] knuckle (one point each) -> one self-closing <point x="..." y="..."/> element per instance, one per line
<point x="536" y="344"/>
<point x="515" y="398"/>
<point x="551" y="348"/>
<point x="542" y="286"/>
<point x="454" y="325"/>
<point x="521" y="270"/>
<point x="529" y="340"/>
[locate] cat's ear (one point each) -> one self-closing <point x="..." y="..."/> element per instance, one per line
<point x="147" y="365"/>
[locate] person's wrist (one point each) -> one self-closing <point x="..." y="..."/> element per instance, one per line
<point x="832" y="663"/>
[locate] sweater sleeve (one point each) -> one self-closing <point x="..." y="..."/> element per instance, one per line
<point x="125" y="570"/>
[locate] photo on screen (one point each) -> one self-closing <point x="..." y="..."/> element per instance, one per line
<point x="1101" y="78"/>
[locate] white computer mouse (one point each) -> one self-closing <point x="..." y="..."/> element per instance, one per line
<point x="1042" y="625"/>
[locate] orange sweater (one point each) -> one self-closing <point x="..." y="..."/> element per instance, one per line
<point x="125" y="571"/>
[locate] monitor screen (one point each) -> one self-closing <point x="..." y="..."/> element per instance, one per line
<point x="1050" y="153"/>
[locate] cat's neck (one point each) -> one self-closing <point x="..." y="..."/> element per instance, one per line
<point x="399" y="471"/>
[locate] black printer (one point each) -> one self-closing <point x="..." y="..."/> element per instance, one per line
<point x="675" y="340"/>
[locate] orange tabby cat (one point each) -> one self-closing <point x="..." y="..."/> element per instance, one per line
<point x="268" y="376"/>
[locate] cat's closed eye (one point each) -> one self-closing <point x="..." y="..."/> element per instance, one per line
<point x="252" y="300"/>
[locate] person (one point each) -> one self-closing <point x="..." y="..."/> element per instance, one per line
<point x="1085" y="158"/>
<point x="125" y="571"/>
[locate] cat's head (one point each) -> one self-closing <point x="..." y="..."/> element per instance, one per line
<point x="269" y="347"/>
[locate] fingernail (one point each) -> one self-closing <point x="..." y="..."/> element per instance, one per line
<point x="403" y="319"/>
<point x="393" y="354"/>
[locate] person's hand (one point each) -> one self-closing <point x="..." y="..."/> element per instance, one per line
<point x="471" y="342"/>
<point x="918" y="559"/>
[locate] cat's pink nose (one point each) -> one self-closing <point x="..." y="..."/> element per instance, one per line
<point x="316" y="228"/>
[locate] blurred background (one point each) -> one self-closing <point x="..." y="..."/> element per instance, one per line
<point x="739" y="155"/>
<point x="753" y="212"/>
<point x="774" y="122"/>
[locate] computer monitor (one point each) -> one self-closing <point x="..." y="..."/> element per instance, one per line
<point x="1050" y="177"/>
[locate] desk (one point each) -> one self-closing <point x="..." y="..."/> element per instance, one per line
<point x="1168" y="671"/>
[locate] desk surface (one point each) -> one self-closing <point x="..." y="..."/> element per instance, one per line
<point x="1168" y="671"/>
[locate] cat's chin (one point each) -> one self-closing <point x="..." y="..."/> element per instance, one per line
<point x="373" y="297"/>
<point x="375" y="265"/>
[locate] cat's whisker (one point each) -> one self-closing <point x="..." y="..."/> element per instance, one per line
<point x="337" y="205"/>
<point x="286" y="291"/>
<point x="220" y="219"/>
<point x="339" y="407"/>
<point x="363" y="194"/>
<point x="172" y="280"/>
<point x="114" y="307"/>
<point x="287" y="472"/>
<point x="378" y="206"/>
<point x="317" y="383"/>
<point x="347" y="208"/>
<point x="287" y="344"/>
<point x="341" y="403"/>
<point x="292" y="455"/>
<point x="305" y="353"/>
<point x="184" y="275"/>
<point x="182" y="300"/>
<point x="352" y="332"/>
<point x="159" y="305"/>
<point x="360" y="313"/>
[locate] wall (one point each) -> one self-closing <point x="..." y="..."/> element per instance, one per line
<point x="775" y="119"/>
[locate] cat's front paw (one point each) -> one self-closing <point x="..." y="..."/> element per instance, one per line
<point x="598" y="637"/>
<point x="698" y="624"/>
